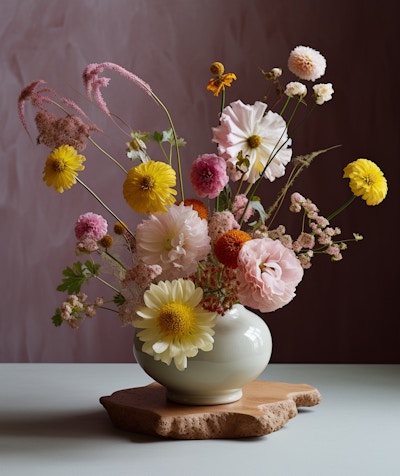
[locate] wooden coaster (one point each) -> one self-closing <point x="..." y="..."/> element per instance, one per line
<point x="264" y="408"/>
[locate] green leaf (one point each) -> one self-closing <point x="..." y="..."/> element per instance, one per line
<point x="119" y="299"/>
<point x="77" y="275"/>
<point x="57" y="319"/>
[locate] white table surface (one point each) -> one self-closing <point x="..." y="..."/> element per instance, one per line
<point x="51" y="423"/>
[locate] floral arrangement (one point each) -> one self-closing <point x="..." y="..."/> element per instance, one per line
<point x="189" y="260"/>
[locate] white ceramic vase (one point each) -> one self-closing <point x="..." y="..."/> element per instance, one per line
<point x="241" y="352"/>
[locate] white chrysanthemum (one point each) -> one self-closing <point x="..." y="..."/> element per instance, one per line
<point x="322" y="93"/>
<point x="176" y="240"/>
<point x="174" y="324"/>
<point x="260" y="137"/>
<point x="295" y="89"/>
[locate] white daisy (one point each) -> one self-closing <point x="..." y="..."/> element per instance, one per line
<point x="174" y="324"/>
<point x="176" y="240"/>
<point x="261" y="138"/>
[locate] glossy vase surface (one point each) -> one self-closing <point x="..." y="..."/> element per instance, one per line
<point x="241" y="352"/>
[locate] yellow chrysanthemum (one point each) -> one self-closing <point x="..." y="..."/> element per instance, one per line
<point x="148" y="187"/>
<point x="228" y="246"/>
<point x="62" y="165"/>
<point x="175" y="326"/>
<point x="366" y="181"/>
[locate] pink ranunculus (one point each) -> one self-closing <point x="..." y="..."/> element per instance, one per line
<point x="208" y="175"/>
<point x="268" y="274"/>
<point x="90" y="226"/>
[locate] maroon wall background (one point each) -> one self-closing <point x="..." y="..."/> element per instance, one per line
<point x="344" y="312"/>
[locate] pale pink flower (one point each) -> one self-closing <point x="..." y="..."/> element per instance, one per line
<point x="306" y="63"/>
<point x="90" y="226"/>
<point x="208" y="175"/>
<point x="176" y="240"/>
<point x="268" y="274"/>
<point x="258" y="136"/>
<point x="220" y="223"/>
<point x="238" y="207"/>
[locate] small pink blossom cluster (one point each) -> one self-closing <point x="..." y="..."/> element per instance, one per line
<point x="220" y="286"/>
<point x="75" y="307"/>
<point x="220" y="223"/>
<point x="240" y="206"/>
<point x="321" y="233"/>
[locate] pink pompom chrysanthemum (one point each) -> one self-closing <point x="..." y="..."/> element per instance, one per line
<point x="90" y="226"/>
<point x="208" y="175"/>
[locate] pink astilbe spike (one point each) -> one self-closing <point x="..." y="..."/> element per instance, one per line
<point x="28" y="93"/>
<point x="93" y="82"/>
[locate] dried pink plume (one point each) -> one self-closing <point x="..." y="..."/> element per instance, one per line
<point x="93" y="82"/>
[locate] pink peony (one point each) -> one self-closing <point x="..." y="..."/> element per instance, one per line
<point x="90" y="226"/>
<point x="268" y="274"/>
<point x="208" y="175"/>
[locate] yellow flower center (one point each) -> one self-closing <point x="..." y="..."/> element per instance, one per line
<point x="369" y="179"/>
<point x="147" y="182"/>
<point x="176" y="319"/>
<point x="254" y="141"/>
<point x="58" y="166"/>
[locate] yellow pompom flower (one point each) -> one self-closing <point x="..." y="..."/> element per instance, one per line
<point x="148" y="187"/>
<point x="62" y="165"/>
<point x="366" y="181"/>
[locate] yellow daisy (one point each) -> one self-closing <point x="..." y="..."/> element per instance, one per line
<point x="221" y="80"/>
<point x="148" y="187"/>
<point x="62" y="165"/>
<point x="175" y="325"/>
<point x="366" y="180"/>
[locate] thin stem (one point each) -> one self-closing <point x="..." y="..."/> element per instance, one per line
<point x="178" y="158"/>
<point x="107" y="284"/>
<point x="339" y="210"/>
<point x="107" y="154"/>
<point x="103" y="204"/>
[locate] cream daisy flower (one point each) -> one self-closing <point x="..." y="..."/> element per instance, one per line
<point x="260" y="138"/>
<point x="176" y="240"/>
<point x="174" y="324"/>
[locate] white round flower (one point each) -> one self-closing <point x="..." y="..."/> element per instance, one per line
<point x="176" y="240"/>
<point x="295" y="89"/>
<point x="322" y="93"/>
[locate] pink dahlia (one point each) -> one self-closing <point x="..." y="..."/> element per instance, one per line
<point x="90" y="226"/>
<point x="268" y="274"/>
<point x="208" y="175"/>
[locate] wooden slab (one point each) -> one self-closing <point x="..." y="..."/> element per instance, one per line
<point x="264" y="408"/>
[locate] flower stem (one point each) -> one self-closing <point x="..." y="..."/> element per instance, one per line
<point x="107" y="154"/>
<point x="343" y="207"/>
<point x="102" y="203"/>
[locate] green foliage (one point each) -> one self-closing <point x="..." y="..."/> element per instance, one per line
<point x="119" y="299"/>
<point x="57" y="319"/>
<point x="77" y="275"/>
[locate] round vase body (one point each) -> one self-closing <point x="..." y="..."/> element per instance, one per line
<point x="242" y="349"/>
